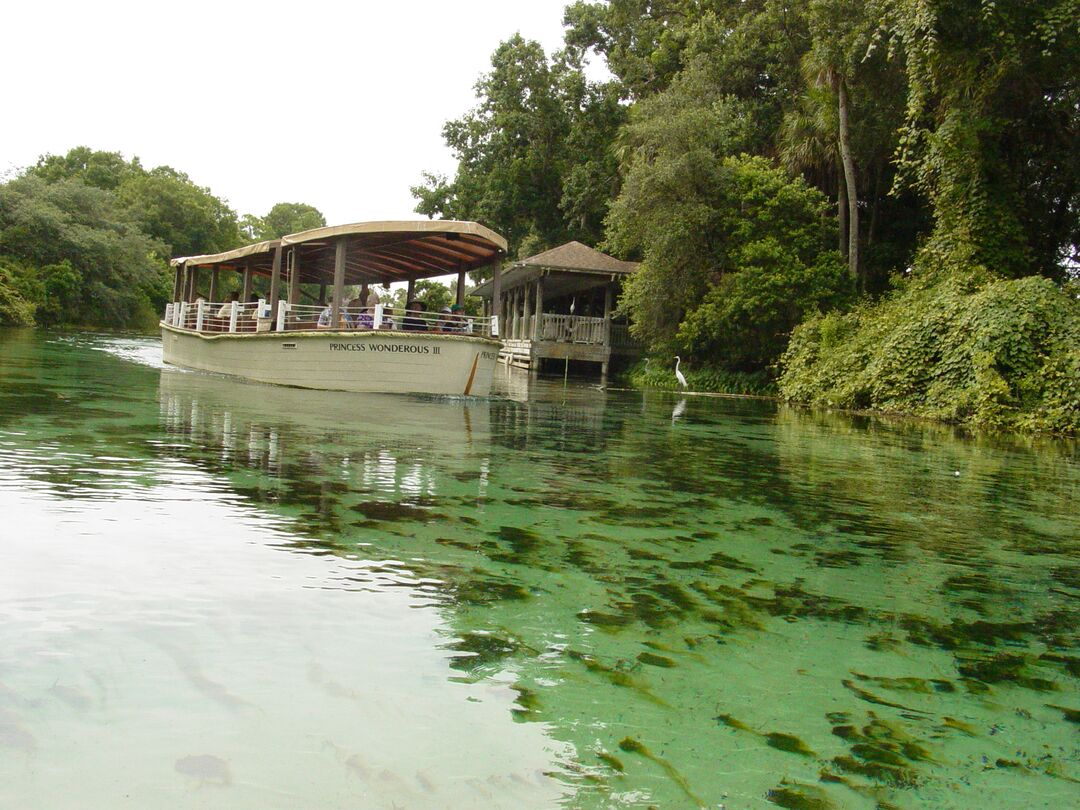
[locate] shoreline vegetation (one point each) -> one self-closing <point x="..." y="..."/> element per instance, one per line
<point x="868" y="206"/>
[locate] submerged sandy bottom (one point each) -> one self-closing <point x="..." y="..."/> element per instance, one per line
<point x="220" y="594"/>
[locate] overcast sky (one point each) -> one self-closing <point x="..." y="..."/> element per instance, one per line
<point x="338" y="105"/>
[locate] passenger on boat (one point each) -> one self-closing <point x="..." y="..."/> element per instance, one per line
<point x="458" y="321"/>
<point x="413" y="323"/>
<point x="227" y="307"/>
<point x="343" y="319"/>
<point x="362" y="317"/>
<point x="388" y="318"/>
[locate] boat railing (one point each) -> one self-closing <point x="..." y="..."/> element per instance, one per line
<point x="233" y="316"/>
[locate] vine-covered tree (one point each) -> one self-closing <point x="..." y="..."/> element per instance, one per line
<point x="992" y="124"/>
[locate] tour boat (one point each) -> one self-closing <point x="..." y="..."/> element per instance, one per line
<point x="295" y="334"/>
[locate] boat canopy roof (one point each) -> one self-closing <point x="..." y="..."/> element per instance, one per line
<point x="375" y="252"/>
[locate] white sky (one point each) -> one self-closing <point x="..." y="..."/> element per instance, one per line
<point x="338" y="105"/>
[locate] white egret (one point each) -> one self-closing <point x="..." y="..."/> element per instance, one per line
<point x="678" y="374"/>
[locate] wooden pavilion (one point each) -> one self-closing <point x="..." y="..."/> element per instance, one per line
<point x="558" y="305"/>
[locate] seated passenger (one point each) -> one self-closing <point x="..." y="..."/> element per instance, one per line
<point x="459" y="319"/>
<point x="362" y="316"/>
<point x="226" y="309"/>
<point x="415" y="324"/>
<point x="344" y="321"/>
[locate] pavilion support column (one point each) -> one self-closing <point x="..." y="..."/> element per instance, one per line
<point x="294" y="277"/>
<point x="212" y="296"/>
<point x="275" y="284"/>
<point x="460" y="298"/>
<point x="607" y="315"/>
<point x="245" y="293"/>
<point x="526" y="321"/>
<point x="538" y="325"/>
<point x="339" y="282"/>
<point x="178" y="283"/>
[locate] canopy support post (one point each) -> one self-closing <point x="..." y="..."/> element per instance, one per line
<point x="339" y="283"/>
<point x="411" y="291"/>
<point x="294" y="277"/>
<point x="193" y="283"/>
<point x="212" y="295"/>
<point x="275" y="283"/>
<point x="246" y="294"/>
<point x="460" y="298"/>
<point x="178" y="282"/>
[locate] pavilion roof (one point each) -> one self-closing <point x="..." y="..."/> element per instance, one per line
<point x="588" y="265"/>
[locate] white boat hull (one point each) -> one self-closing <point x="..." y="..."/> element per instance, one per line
<point x="382" y="361"/>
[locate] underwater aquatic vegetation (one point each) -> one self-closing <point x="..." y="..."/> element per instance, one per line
<point x="632" y="746"/>
<point x="1072" y="715"/>
<point x="655" y="660"/>
<point x="789" y="743"/>
<point x="385" y="511"/>
<point x="1004" y="668"/>
<point x="805" y="797"/>
<point x="611" y="761"/>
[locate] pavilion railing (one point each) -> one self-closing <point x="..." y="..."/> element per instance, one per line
<point x="572" y="329"/>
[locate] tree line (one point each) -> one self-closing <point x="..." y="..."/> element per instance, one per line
<point x="849" y="202"/>
<point x="85" y="237"/>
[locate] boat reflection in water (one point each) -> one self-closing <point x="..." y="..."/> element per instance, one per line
<point x="391" y="444"/>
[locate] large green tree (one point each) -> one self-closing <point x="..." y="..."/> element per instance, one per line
<point x="286" y="218"/>
<point x="533" y="156"/>
<point x="735" y="253"/>
<point x="187" y="218"/>
<point x="105" y="170"/>
<point x="75" y="252"/>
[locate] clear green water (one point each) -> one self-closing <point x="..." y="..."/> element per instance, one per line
<point x="221" y="594"/>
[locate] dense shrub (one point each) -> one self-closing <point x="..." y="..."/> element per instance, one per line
<point x="969" y="349"/>
<point x="15" y="310"/>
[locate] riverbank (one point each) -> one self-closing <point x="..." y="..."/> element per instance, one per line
<point x="978" y="351"/>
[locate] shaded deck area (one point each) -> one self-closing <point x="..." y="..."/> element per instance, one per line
<point x="559" y="306"/>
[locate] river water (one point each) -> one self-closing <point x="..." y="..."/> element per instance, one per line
<point x="219" y="594"/>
